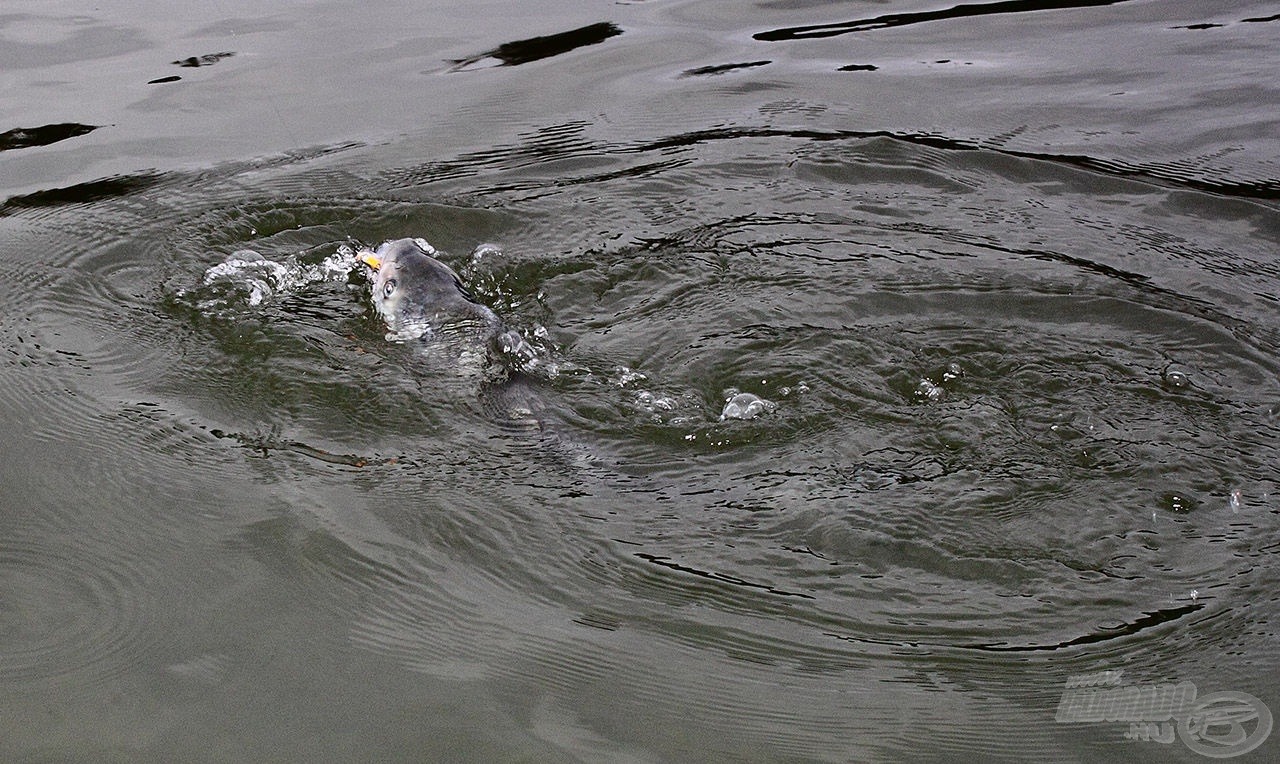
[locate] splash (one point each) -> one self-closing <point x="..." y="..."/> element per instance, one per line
<point x="246" y="279"/>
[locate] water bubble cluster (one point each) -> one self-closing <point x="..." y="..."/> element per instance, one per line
<point x="929" y="391"/>
<point x="800" y="388"/>
<point x="623" y="376"/>
<point x="658" y="404"/>
<point x="247" y="279"/>
<point x="257" y="279"/>
<point x="514" y="346"/>
<point x="483" y="251"/>
<point x="486" y="277"/>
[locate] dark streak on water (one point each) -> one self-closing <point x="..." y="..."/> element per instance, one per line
<point x="208" y="59"/>
<point x="1147" y="621"/>
<point x="26" y="137"/>
<point x="520" y="52"/>
<point x="81" y="193"/>
<point x="890" y="20"/>
<point x="702" y="71"/>
<point x="713" y="576"/>
<point x="1155" y="173"/>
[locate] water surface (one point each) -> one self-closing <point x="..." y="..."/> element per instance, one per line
<point x="1005" y="272"/>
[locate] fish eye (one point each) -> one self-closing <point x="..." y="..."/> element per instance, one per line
<point x="389" y="287"/>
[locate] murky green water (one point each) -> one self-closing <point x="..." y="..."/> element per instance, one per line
<point x="1006" y="272"/>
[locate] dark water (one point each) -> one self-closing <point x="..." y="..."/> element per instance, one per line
<point x="1007" y="272"/>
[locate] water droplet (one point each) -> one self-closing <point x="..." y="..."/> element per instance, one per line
<point x="953" y="372"/>
<point x="1175" y="502"/>
<point x="1234" y="500"/>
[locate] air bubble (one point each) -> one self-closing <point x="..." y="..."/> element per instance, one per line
<point x="745" y="406"/>
<point x="1175" y="378"/>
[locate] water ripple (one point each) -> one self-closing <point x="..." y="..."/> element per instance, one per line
<point x="70" y="610"/>
<point x="830" y="410"/>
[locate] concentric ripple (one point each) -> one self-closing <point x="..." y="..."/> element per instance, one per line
<point x="870" y="423"/>
<point x="69" y="610"/>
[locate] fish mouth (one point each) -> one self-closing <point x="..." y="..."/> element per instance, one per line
<point x="370" y="259"/>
